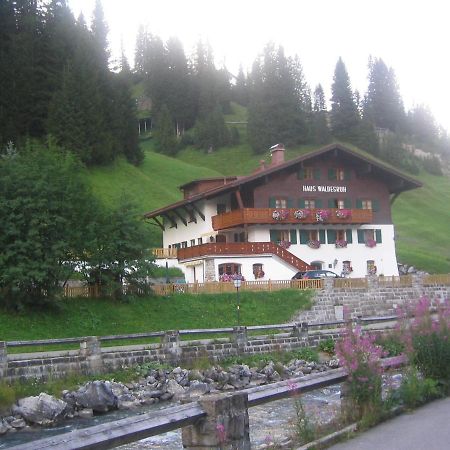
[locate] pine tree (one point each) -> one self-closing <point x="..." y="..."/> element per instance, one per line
<point x="165" y="138"/>
<point x="320" y="131"/>
<point x="240" y="89"/>
<point x="383" y="104"/>
<point x="344" y="116"/>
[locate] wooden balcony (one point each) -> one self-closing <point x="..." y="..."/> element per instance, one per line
<point x="242" y="248"/>
<point x="251" y="216"/>
<point x="165" y="253"/>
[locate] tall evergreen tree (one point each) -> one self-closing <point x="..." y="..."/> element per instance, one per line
<point x="344" y="116"/>
<point x="165" y="138"/>
<point x="276" y="110"/>
<point x="240" y="88"/>
<point x="383" y="104"/>
<point x="320" y="131"/>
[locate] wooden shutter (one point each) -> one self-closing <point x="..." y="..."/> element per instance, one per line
<point x="358" y="203"/>
<point x="375" y="205"/>
<point x="301" y="174"/>
<point x="322" y="236"/>
<point x="293" y="236"/>
<point x="317" y="174"/>
<point x="347" y="203"/>
<point x="272" y="202"/>
<point x="304" y="236"/>
<point x="361" y="239"/>
<point x="331" y="236"/>
<point x="290" y="203"/>
<point x="348" y="236"/>
<point x="318" y="203"/>
<point x="378" y="236"/>
<point x="332" y="174"/>
<point x="301" y="203"/>
<point x="347" y="174"/>
<point x="274" y="236"/>
<point x="331" y="203"/>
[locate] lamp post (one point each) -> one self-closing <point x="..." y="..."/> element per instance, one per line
<point x="237" y="285"/>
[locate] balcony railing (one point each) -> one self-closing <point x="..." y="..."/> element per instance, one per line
<point x="243" y="248"/>
<point x="165" y="253"/>
<point x="250" y="216"/>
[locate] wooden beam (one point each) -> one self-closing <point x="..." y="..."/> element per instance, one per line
<point x="160" y="225"/>
<point x="120" y="432"/>
<point x="170" y="219"/>
<point x="239" y="198"/>
<point x="191" y="214"/>
<point x="198" y="211"/>
<point x="394" y="197"/>
<point x="181" y="217"/>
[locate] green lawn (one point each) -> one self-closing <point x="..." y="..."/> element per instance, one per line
<point x="101" y="317"/>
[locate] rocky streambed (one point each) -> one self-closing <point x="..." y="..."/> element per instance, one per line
<point x="111" y="400"/>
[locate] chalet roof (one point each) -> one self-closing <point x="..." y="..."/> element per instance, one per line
<point x="396" y="181"/>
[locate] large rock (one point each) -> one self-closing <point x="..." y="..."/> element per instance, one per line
<point x="96" y="395"/>
<point x="174" y="388"/>
<point x="42" y="410"/>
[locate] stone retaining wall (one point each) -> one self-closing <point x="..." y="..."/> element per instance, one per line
<point x="376" y="300"/>
<point x="92" y="359"/>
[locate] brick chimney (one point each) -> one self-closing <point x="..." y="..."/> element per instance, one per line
<point x="277" y="153"/>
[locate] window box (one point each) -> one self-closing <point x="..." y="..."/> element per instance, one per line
<point x="313" y="243"/>
<point x="280" y="214"/>
<point x="302" y="213"/>
<point x="322" y="215"/>
<point x="343" y="213"/>
<point x="340" y="243"/>
<point x="371" y="243"/>
<point x="284" y="244"/>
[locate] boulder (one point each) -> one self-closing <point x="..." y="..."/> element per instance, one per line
<point x="41" y="410"/>
<point x="174" y="388"/>
<point x="97" y="395"/>
<point x="4" y="427"/>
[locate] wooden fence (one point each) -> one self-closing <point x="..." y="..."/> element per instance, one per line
<point x="217" y="287"/>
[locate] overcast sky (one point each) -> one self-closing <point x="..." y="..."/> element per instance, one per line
<point x="411" y="36"/>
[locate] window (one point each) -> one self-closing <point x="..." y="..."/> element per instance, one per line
<point x="371" y="267"/>
<point x="240" y="237"/>
<point x="229" y="268"/>
<point x="221" y="208"/>
<point x="280" y="202"/>
<point x="338" y="174"/>
<point x="373" y="236"/>
<point x="184" y="244"/>
<point x="347" y="267"/>
<point x="310" y="203"/>
<point x="340" y="203"/>
<point x="283" y="236"/>
<point x="258" y="271"/>
<point x="312" y="235"/>
<point x="340" y="235"/>
<point x="368" y="204"/>
<point x="192" y="242"/>
<point x="200" y="241"/>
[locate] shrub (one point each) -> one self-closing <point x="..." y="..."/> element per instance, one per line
<point x="416" y="390"/>
<point x="327" y="346"/>
<point x="358" y="354"/>
<point x="426" y="339"/>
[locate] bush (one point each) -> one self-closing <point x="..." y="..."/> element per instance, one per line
<point x="415" y="390"/>
<point x="327" y="346"/>
<point x="427" y="340"/>
<point x="358" y="354"/>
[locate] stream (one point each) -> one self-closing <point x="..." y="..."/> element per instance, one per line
<point x="271" y="422"/>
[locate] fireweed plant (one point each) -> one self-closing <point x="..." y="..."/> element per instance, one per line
<point x="427" y="339"/>
<point x="360" y="356"/>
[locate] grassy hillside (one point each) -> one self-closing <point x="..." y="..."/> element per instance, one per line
<point x="422" y="216"/>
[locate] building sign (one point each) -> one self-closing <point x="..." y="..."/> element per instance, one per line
<point x="324" y="188"/>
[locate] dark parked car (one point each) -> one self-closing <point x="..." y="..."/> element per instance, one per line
<point x="315" y="275"/>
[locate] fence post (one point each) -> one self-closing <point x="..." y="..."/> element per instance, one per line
<point x="300" y="330"/>
<point x="240" y="336"/>
<point x="328" y="284"/>
<point x="171" y="346"/>
<point x="3" y="359"/>
<point x="226" y="425"/>
<point x="270" y="285"/>
<point x="91" y="350"/>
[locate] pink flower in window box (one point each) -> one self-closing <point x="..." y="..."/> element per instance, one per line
<point x="313" y="243"/>
<point x="371" y="243"/>
<point x="322" y="215"/>
<point x="343" y="213"/>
